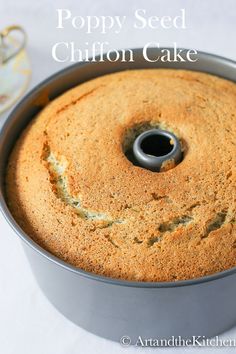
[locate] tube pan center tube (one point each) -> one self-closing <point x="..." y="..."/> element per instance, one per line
<point x="155" y="148"/>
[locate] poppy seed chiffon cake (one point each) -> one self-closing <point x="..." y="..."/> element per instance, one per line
<point x="72" y="187"/>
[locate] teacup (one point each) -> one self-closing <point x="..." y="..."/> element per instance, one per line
<point x="9" y="47"/>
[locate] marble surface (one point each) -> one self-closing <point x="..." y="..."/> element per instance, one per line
<point x="28" y="323"/>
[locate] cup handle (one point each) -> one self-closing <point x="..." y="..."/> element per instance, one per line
<point x="5" y="32"/>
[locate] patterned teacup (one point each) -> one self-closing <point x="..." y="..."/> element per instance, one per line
<point x="7" y="50"/>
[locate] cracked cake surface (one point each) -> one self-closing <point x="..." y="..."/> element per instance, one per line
<point x="72" y="189"/>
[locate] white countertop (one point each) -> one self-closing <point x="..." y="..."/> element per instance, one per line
<point x="28" y="322"/>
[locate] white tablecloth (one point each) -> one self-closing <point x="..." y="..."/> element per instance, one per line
<point x="28" y="322"/>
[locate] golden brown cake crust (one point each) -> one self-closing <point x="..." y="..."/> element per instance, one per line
<point x="71" y="188"/>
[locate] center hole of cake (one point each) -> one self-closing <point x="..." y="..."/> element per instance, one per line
<point x="153" y="146"/>
<point x="157" y="145"/>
